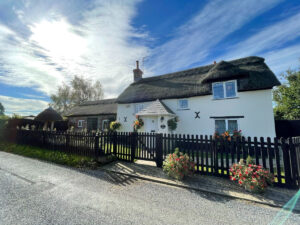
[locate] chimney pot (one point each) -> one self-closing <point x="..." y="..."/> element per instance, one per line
<point x="215" y="62"/>
<point x="137" y="73"/>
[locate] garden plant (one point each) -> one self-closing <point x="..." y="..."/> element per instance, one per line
<point x="178" y="165"/>
<point x="252" y="177"/>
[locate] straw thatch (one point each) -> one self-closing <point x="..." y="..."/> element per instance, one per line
<point x="224" y="71"/>
<point x="48" y="115"/>
<point x="251" y="72"/>
<point x="91" y="108"/>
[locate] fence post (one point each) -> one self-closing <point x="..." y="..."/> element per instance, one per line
<point x="296" y="142"/>
<point x="159" y="150"/>
<point x="115" y="142"/>
<point x="215" y="156"/>
<point x="286" y="161"/>
<point x="67" y="141"/>
<point x="133" y="145"/>
<point x="96" y="146"/>
<point x="293" y="161"/>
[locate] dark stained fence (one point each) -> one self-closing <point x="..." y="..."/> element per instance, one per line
<point x="280" y="156"/>
<point x="287" y="128"/>
<point x="211" y="156"/>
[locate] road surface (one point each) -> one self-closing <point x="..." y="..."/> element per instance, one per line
<point x="36" y="192"/>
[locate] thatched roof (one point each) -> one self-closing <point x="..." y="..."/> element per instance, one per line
<point x="224" y="71"/>
<point x="92" y="108"/>
<point x="251" y="72"/>
<point x="48" y="115"/>
<point x="156" y="108"/>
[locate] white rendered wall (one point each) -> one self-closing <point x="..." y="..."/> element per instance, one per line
<point x="254" y="106"/>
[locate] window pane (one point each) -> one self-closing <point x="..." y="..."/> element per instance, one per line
<point x="220" y="126"/>
<point x="183" y="104"/>
<point x="138" y="107"/>
<point x="105" y="124"/>
<point x="232" y="126"/>
<point x="230" y="89"/>
<point x="218" y="90"/>
<point x="92" y="124"/>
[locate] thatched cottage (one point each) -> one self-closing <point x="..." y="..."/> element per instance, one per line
<point x="224" y="96"/>
<point x="93" y="115"/>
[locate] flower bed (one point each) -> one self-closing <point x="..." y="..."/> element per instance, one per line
<point x="252" y="177"/>
<point x="227" y="136"/>
<point x="178" y="165"/>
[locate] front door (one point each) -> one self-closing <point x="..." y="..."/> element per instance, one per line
<point x="151" y="124"/>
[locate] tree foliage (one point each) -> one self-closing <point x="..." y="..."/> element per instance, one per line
<point x="2" y="109"/>
<point x="80" y="90"/>
<point x="287" y="97"/>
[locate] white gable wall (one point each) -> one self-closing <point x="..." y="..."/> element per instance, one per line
<point x="254" y="106"/>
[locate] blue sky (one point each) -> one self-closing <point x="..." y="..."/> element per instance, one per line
<point x="43" y="44"/>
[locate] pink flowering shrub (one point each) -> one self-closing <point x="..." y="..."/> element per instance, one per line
<point x="178" y="165"/>
<point x="252" y="177"/>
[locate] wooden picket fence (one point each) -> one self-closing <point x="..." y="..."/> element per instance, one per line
<point x="211" y="156"/>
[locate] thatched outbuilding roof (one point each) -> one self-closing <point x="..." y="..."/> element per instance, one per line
<point x="48" y="115"/>
<point x="92" y="108"/>
<point x="251" y="73"/>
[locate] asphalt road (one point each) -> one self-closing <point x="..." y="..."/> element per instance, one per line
<point x="35" y="192"/>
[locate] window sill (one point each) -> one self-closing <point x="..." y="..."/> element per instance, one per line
<point x="217" y="99"/>
<point x="183" y="109"/>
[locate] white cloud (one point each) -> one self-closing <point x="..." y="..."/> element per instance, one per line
<point x="22" y="106"/>
<point x="271" y="37"/>
<point x="195" y="39"/>
<point x="281" y="60"/>
<point x="98" y="47"/>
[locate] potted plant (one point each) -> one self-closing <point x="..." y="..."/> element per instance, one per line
<point x="114" y="125"/>
<point x="138" y="123"/>
<point x="172" y="123"/>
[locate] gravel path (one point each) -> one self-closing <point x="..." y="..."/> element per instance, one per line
<point x="35" y="192"/>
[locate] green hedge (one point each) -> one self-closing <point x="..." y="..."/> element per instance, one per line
<point x="50" y="155"/>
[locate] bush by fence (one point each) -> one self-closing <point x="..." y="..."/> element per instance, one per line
<point x="211" y="156"/>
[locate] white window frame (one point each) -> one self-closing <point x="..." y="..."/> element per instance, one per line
<point x="103" y="123"/>
<point x="224" y="89"/>
<point x="80" y="123"/>
<point x="138" y="107"/>
<point x="226" y="123"/>
<point x="178" y="104"/>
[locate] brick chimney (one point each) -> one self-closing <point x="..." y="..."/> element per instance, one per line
<point x="137" y="73"/>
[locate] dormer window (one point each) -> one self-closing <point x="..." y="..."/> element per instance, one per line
<point x="223" y="90"/>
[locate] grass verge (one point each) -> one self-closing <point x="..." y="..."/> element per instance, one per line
<point x="50" y="155"/>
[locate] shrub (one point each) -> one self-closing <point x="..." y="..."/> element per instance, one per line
<point x="178" y="165"/>
<point x="252" y="177"/>
<point x="114" y="125"/>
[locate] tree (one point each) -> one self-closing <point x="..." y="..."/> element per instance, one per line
<point x="287" y="97"/>
<point x="79" y="91"/>
<point x="2" y="110"/>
